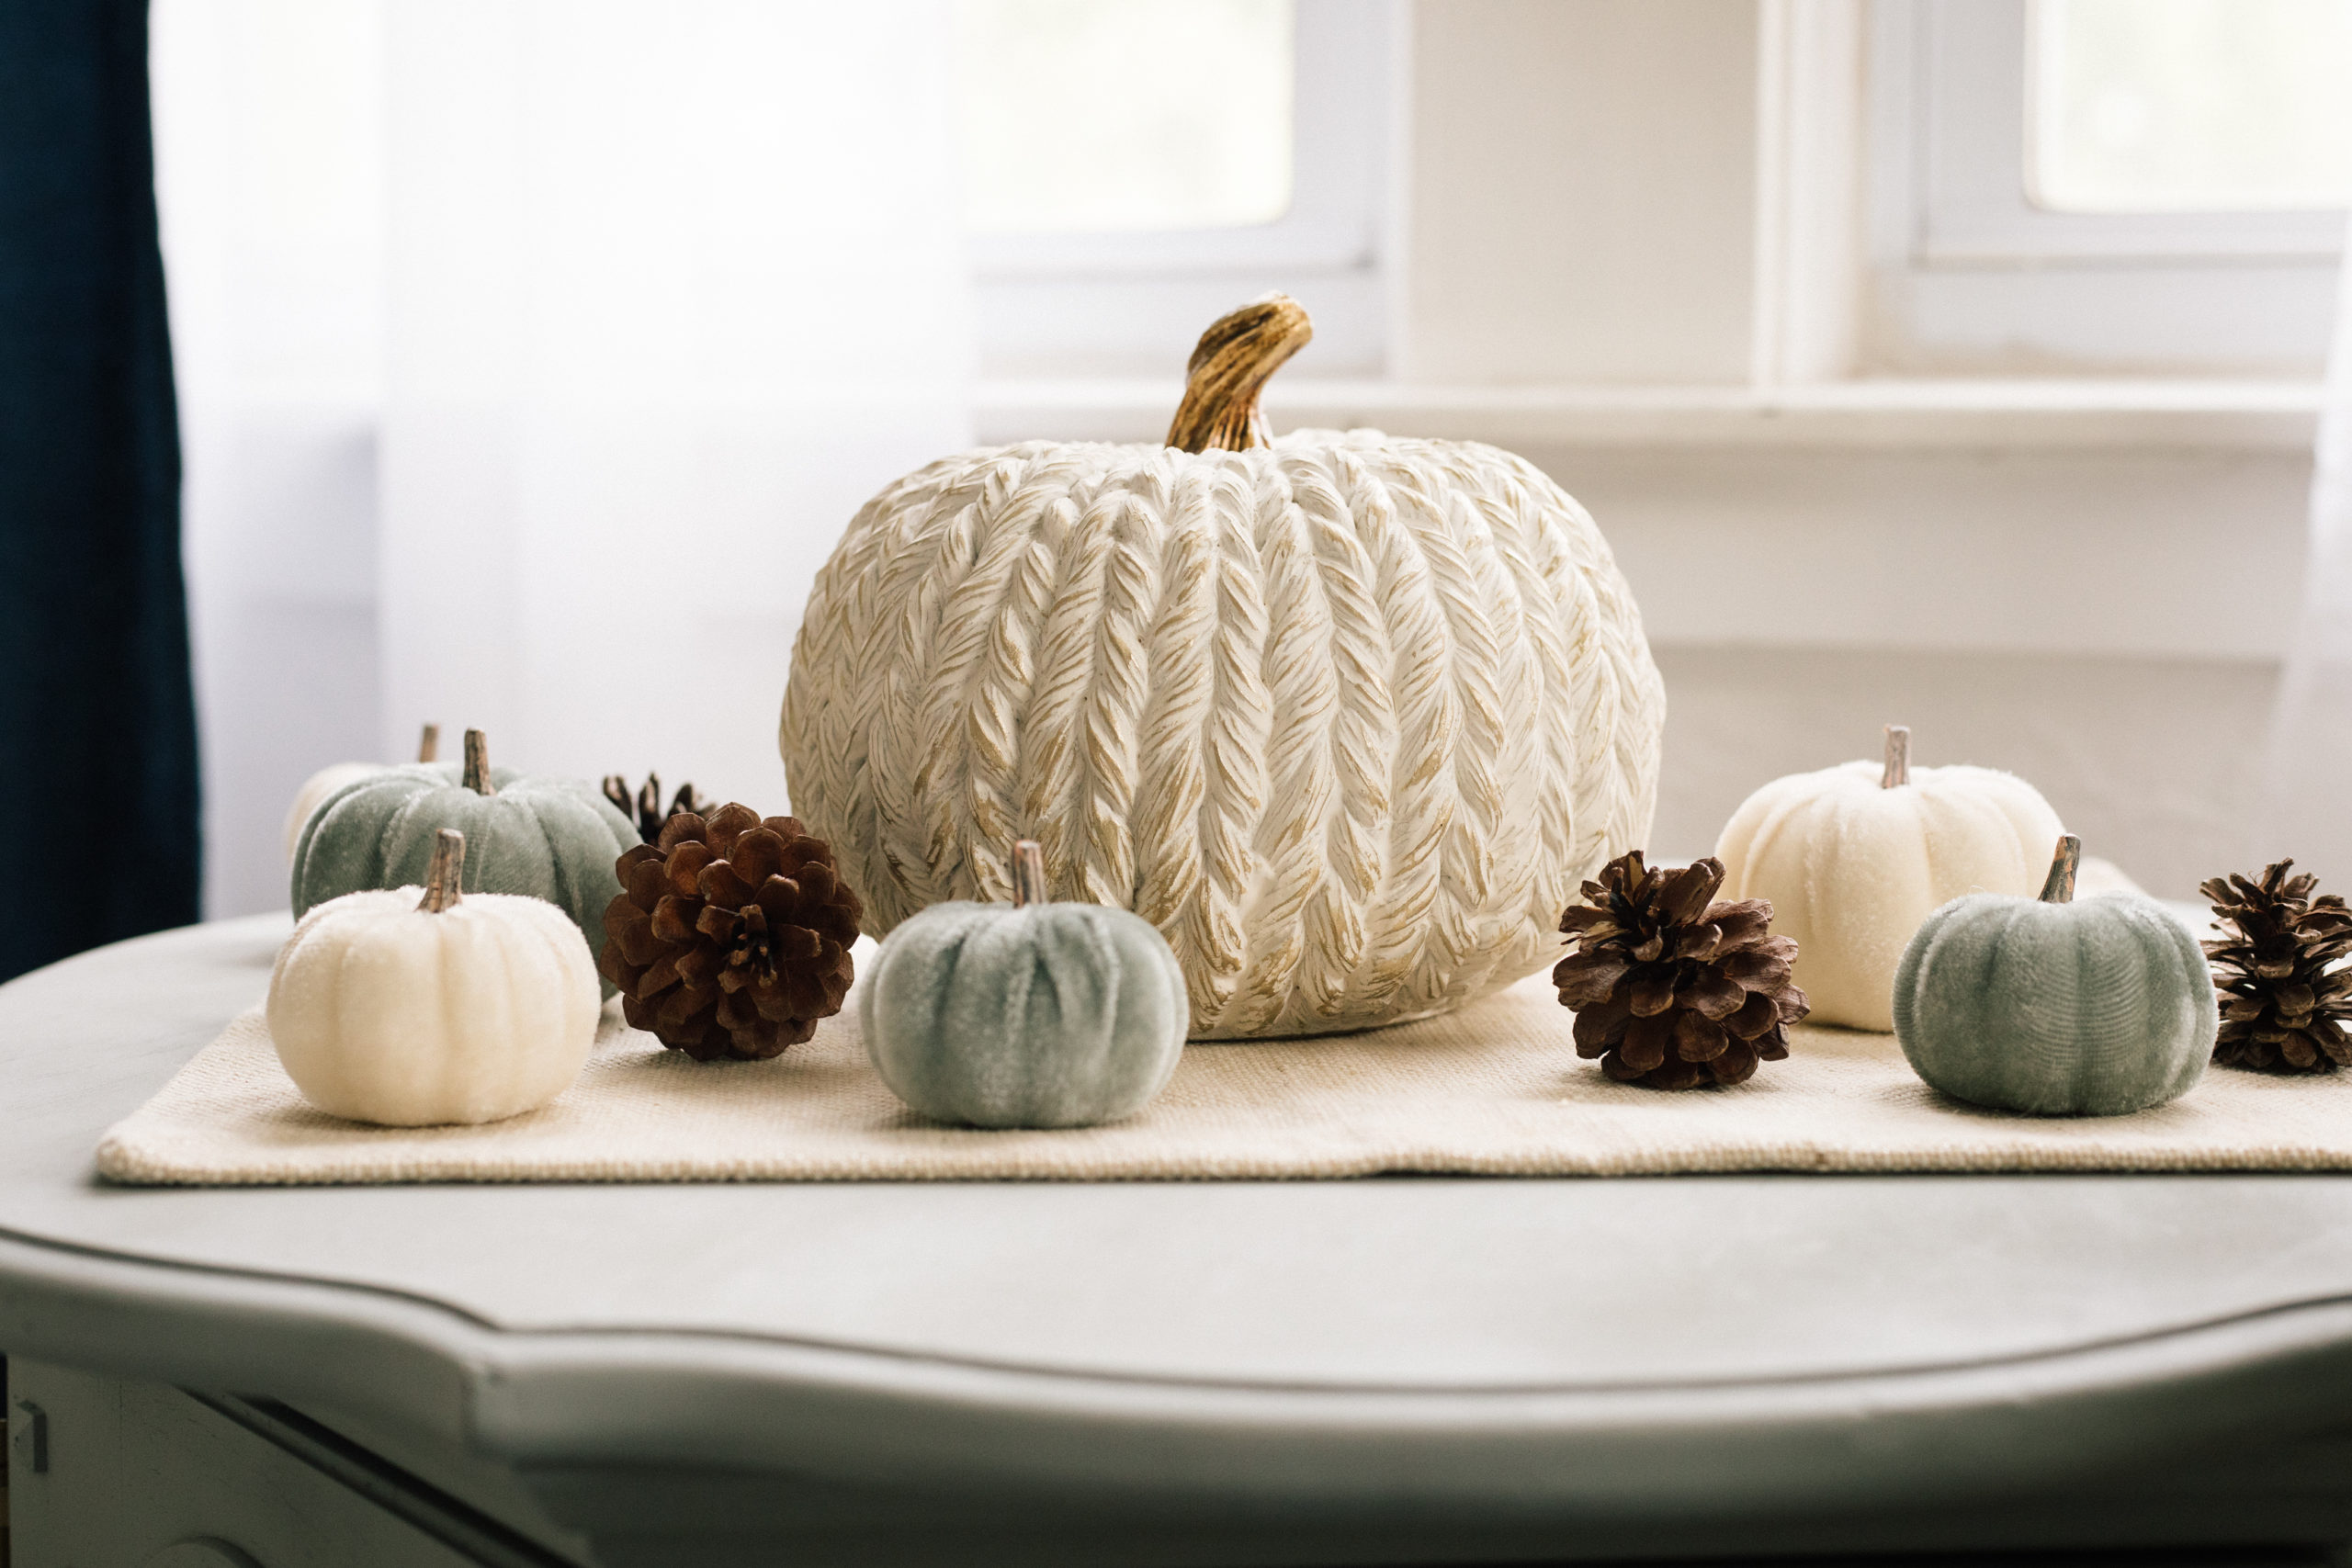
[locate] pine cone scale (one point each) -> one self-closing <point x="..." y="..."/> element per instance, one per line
<point x="1698" y="1038"/>
<point x="1645" y="1042"/>
<point x="659" y="976"/>
<point x="1651" y="994"/>
<point x="1738" y="1063"/>
<point x="1712" y="993"/>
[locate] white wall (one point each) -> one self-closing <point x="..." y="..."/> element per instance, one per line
<point x="1582" y="180"/>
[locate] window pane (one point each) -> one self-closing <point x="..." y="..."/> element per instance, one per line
<point x="2168" y="105"/>
<point x="1092" y="115"/>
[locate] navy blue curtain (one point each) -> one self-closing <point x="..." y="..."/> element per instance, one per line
<point x="97" y="719"/>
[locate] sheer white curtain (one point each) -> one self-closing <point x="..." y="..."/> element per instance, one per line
<point x="2307" y="807"/>
<point x="268" y="120"/>
<point x="626" y="310"/>
<point x="672" y="289"/>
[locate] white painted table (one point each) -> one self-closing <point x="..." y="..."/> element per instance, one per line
<point x="1396" y="1369"/>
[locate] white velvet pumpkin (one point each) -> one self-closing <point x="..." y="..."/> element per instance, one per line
<point x="1853" y="864"/>
<point x="1347" y="718"/>
<point x="385" y="1012"/>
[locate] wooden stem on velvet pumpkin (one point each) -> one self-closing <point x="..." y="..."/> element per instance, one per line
<point x="477" y="777"/>
<point x="1899" y="757"/>
<point x="2060" y="888"/>
<point x="448" y="870"/>
<point x="1229" y="367"/>
<point x="428" y="745"/>
<point x="1029" y="874"/>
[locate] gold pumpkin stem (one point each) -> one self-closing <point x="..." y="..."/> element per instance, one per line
<point x="1231" y="366"/>
<point x="428" y="745"/>
<point x="2059" y="888"/>
<point x="1029" y="873"/>
<point x="448" y="871"/>
<point x="477" y="777"/>
<point x="1899" y="757"/>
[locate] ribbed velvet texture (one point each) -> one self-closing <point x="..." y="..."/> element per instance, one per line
<point x="97" y="717"/>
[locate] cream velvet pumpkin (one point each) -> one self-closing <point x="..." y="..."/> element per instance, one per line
<point x="1854" y="857"/>
<point x="412" y="1007"/>
<point x="1347" y="718"/>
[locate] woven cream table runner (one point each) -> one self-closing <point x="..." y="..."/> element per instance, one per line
<point x="1493" y="1089"/>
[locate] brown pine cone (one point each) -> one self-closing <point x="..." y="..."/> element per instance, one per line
<point x="1672" y="990"/>
<point x="731" y="935"/>
<point x="2283" y="1002"/>
<point x="645" y="808"/>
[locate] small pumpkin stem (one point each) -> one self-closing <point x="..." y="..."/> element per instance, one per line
<point x="478" y="764"/>
<point x="2059" y="888"/>
<point x="1229" y="367"/>
<point x="448" y="871"/>
<point x="1899" y="757"/>
<point x="428" y="745"/>
<point x="1029" y="873"/>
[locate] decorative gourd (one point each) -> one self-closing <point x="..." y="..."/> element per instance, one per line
<point x="316" y="789"/>
<point x="412" y="1011"/>
<point x="331" y="779"/>
<point x="2053" y="1008"/>
<point x="1347" y="718"/>
<point x="551" y="839"/>
<point x="1854" y="857"/>
<point x="1035" y="1015"/>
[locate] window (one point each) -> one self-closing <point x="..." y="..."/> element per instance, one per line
<point x="1135" y="168"/>
<point x="2043" y="175"/>
<point x="2190" y="106"/>
<point x="1078" y="117"/>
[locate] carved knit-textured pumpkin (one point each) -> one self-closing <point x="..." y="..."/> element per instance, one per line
<point x="412" y="1013"/>
<point x="1854" y="857"/>
<point x="1031" y="1014"/>
<point x="546" y="838"/>
<point x="2053" y="1008"/>
<point x="1347" y="718"/>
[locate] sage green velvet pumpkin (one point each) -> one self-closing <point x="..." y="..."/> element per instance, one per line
<point x="548" y="838"/>
<point x="1032" y="1015"/>
<point x="2054" y="1008"/>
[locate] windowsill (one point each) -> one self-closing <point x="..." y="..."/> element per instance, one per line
<point x="1915" y="416"/>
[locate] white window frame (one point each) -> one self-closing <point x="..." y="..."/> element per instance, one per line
<point x="1968" y="273"/>
<point x="1132" y="303"/>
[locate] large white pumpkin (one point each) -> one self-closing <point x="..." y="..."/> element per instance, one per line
<point x="1854" y="857"/>
<point x="1347" y="718"/>
<point x="414" y="1011"/>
